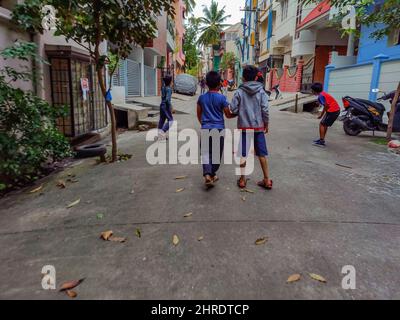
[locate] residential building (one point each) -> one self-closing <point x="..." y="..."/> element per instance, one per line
<point x="377" y="66"/>
<point x="229" y="38"/>
<point x="60" y="82"/>
<point x="179" y="56"/>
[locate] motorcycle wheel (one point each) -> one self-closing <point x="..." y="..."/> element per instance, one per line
<point x="351" y="129"/>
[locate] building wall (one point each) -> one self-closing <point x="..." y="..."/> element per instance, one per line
<point x="354" y="81"/>
<point x="369" y="47"/>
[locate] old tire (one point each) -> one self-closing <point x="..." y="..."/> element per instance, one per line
<point x="350" y="128"/>
<point x="91" y="150"/>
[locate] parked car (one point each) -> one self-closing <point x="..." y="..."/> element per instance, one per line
<point x="186" y="84"/>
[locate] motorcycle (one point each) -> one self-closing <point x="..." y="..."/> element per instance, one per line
<point x="364" y="115"/>
<point x="278" y="92"/>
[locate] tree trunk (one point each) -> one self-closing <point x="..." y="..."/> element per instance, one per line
<point x="392" y="113"/>
<point x="112" y="114"/>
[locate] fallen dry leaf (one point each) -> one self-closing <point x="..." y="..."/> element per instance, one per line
<point x="293" y="278"/>
<point x="138" y="233"/>
<point x="175" y="240"/>
<point x="117" y="239"/>
<point x="188" y="215"/>
<point x="181" y="178"/>
<point x="317" y="277"/>
<point x="73" y="204"/>
<point x="61" y="184"/>
<point x="261" y="241"/>
<point x="200" y="238"/>
<point x="71" y="294"/>
<point x="106" y="235"/>
<point x="249" y="191"/>
<point x="71" y="284"/>
<point x="243" y="198"/>
<point x="179" y="190"/>
<point x="37" y="189"/>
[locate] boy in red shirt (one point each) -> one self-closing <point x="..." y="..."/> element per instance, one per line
<point x="329" y="114"/>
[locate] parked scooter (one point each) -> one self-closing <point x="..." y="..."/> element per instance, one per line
<point x="364" y="115"/>
<point x="278" y="93"/>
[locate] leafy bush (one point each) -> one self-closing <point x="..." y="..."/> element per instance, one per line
<point x="28" y="134"/>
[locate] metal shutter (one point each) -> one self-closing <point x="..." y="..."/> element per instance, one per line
<point x="133" y="78"/>
<point x="149" y="81"/>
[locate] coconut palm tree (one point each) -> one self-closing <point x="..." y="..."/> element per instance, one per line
<point x="212" y="24"/>
<point x="190" y="5"/>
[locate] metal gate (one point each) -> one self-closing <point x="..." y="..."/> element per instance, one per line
<point x="149" y="81"/>
<point x="308" y="76"/>
<point x="128" y="75"/>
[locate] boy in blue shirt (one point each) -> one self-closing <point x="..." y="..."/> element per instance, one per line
<point x="211" y="108"/>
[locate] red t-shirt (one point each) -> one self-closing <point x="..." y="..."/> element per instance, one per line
<point x="328" y="101"/>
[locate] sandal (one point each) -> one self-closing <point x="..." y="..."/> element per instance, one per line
<point x="242" y="183"/>
<point x="265" y="185"/>
<point x="209" y="183"/>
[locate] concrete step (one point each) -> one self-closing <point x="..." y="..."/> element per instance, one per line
<point x="153" y="113"/>
<point x="151" y="121"/>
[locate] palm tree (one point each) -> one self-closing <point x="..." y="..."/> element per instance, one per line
<point x="212" y="24"/>
<point x="190" y="5"/>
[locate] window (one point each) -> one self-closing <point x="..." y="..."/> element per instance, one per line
<point x="394" y="38"/>
<point x="298" y="17"/>
<point x="285" y="9"/>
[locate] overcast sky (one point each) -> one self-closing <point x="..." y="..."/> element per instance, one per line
<point x="232" y="8"/>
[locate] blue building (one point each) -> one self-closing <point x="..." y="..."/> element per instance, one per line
<point x="376" y="66"/>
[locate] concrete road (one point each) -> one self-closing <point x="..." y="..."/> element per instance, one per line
<point x="330" y="208"/>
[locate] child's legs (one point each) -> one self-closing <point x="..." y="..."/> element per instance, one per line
<point x="244" y="148"/>
<point x="322" y="131"/>
<point x="163" y="117"/>
<point x="216" y="166"/>
<point x="264" y="167"/>
<point x="260" y="146"/>
<point x="169" y="117"/>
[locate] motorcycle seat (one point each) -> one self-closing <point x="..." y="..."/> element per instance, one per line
<point x="378" y="106"/>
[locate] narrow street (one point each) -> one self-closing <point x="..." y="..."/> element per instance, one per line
<point x="329" y="208"/>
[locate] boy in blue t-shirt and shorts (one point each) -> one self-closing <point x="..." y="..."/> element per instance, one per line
<point x="211" y="108"/>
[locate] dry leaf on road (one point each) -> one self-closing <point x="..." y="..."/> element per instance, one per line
<point x="138" y="233"/>
<point x="261" y="241"/>
<point x="317" y="277"/>
<point x="117" y="239"/>
<point x="73" y="204"/>
<point x="293" y="278"/>
<point x="243" y="199"/>
<point x="181" y="178"/>
<point x="175" y="240"/>
<point x="188" y="215"/>
<point x="200" y="238"/>
<point x="106" y="235"/>
<point x="71" y="294"/>
<point x="61" y="184"/>
<point x="36" y="189"/>
<point x="71" y="284"/>
<point x="179" y="190"/>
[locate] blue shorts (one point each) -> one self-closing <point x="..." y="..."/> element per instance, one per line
<point x="260" y="143"/>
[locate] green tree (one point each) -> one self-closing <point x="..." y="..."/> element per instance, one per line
<point x="92" y="22"/>
<point x="229" y="60"/>
<point x="28" y="133"/>
<point x="190" y="47"/>
<point x="386" y="15"/>
<point x="190" y="5"/>
<point x="212" y="24"/>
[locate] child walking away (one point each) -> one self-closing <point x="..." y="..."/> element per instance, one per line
<point x="211" y="108"/>
<point x="250" y="103"/>
<point x="165" y="109"/>
<point x="329" y="114"/>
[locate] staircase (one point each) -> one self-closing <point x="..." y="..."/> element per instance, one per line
<point x="289" y="104"/>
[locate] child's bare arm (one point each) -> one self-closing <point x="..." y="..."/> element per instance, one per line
<point x="265" y="111"/>
<point x="199" y="112"/>
<point x="229" y="114"/>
